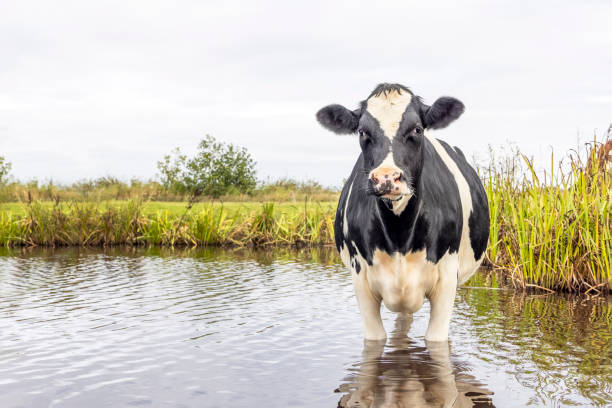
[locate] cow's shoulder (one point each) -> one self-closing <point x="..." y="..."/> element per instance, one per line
<point x="478" y="221"/>
<point x="439" y="191"/>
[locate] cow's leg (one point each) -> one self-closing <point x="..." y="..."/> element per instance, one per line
<point x="441" y="299"/>
<point x="369" y="307"/>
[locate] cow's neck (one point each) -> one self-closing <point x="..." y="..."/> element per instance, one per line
<point x="399" y="222"/>
<point x="398" y="228"/>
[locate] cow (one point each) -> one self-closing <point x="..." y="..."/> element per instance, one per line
<point x="412" y="220"/>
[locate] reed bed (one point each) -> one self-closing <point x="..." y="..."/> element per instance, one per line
<point x="553" y="229"/>
<point x="93" y="224"/>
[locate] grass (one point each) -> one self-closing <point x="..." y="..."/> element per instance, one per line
<point x="107" y="189"/>
<point x="167" y="224"/>
<point x="174" y="208"/>
<point x="550" y="230"/>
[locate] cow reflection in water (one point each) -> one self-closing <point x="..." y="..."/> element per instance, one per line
<point x="410" y="376"/>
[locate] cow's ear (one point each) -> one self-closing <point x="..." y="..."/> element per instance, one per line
<point x="338" y="119"/>
<point x="444" y="111"/>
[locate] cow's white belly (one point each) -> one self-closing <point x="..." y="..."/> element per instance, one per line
<point x="401" y="281"/>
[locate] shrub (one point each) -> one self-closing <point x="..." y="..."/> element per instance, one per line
<point x="216" y="169"/>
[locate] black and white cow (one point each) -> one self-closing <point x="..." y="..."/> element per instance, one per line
<point x="412" y="220"/>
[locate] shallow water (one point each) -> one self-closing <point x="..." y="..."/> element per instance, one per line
<point x="276" y="329"/>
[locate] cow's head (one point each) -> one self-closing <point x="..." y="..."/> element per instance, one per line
<point x="391" y="125"/>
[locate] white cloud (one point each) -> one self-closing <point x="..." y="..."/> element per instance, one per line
<point x="599" y="99"/>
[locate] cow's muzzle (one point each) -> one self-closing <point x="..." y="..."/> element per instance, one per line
<point x="388" y="182"/>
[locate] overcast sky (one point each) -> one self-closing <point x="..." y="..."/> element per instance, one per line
<point x="89" y="89"/>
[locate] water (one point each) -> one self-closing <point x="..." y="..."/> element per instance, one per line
<point x="275" y="329"/>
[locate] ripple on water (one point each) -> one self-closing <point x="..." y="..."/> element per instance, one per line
<point x="225" y="329"/>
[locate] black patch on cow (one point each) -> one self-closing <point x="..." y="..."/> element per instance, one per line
<point x="459" y="152"/>
<point x="441" y="204"/>
<point x="444" y="111"/>
<point x="479" y="216"/>
<point x="374" y="144"/>
<point x="338" y="119"/>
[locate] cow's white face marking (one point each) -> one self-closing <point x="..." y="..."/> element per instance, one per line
<point x="388" y="108"/>
<point x="399" y="201"/>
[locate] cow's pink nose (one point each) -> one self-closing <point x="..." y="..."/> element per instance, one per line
<point x="384" y="175"/>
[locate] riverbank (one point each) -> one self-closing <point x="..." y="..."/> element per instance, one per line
<point x="167" y="224"/>
<point x="549" y="230"/>
<point x="526" y="236"/>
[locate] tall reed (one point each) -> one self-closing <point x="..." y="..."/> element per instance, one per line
<point x="552" y="229"/>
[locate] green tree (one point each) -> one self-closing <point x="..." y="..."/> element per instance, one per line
<point x="5" y="169"/>
<point x="216" y="169"/>
<point x="171" y="171"/>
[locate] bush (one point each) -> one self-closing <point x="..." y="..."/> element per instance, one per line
<point x="216" y="169"/>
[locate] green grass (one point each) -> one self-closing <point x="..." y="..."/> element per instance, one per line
<point x="552" y="230"/>
<point x="174" y="208"/>
<point x="168" y="224"/>
<point x="111" y="189"/>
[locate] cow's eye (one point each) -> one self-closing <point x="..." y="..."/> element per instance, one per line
<point x="364" y="138"/>
<point x="417" y="131"/>
<point x="414" y="135"/>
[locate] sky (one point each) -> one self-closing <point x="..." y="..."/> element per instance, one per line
<point x="91" y="89"/>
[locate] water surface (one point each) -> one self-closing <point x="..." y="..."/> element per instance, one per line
<point x="276" y="329"/>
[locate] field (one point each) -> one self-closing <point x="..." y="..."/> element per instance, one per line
<point x="178" y="209"/>
<point x="168" y="224"/>
<point x="109" y="189"/>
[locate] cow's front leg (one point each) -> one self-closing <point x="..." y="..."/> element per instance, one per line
<point x="441" y="299"/>
<point x="369" y="307"/>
